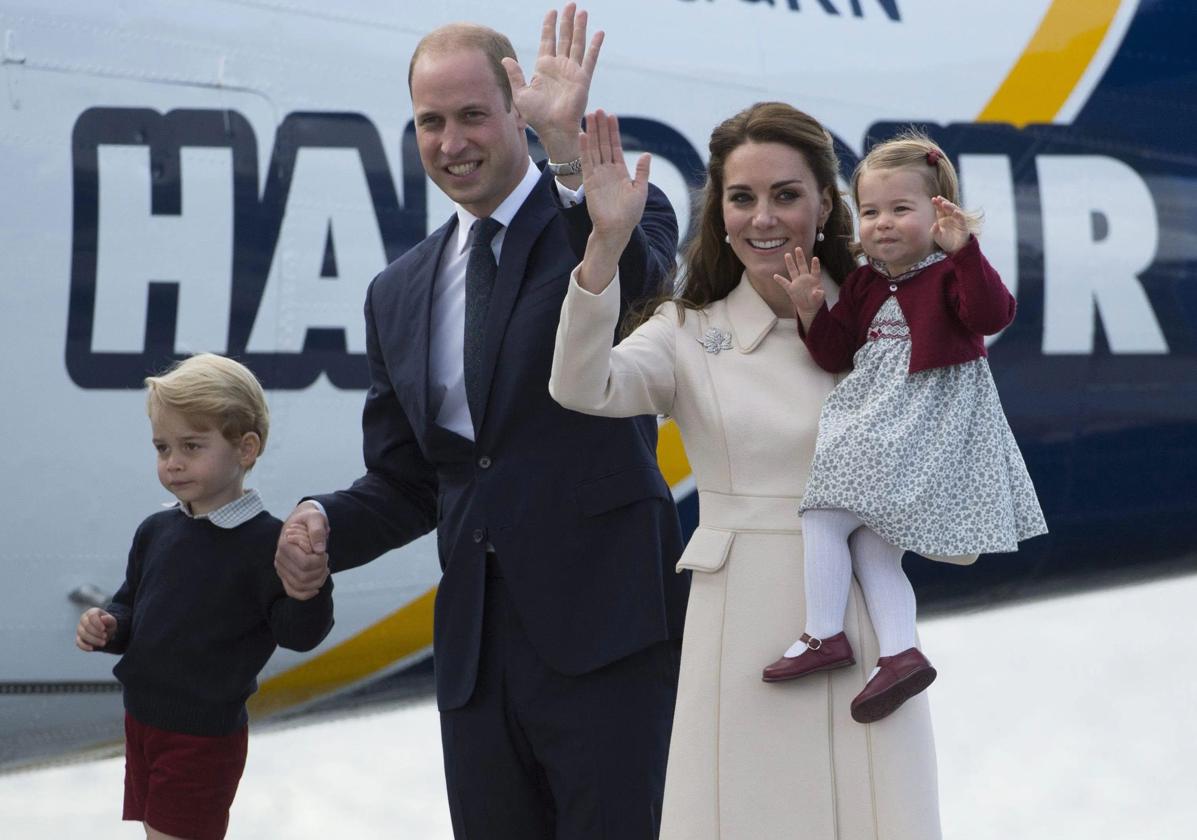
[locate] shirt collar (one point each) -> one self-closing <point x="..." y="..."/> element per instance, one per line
<point x="751" y="318"/>
<point x="237" y="512"/>
<point x="929" y="260"/>
<point x="505" y="212"/>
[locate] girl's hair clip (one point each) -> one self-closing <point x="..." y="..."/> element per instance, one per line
<point x="933" y="157"/>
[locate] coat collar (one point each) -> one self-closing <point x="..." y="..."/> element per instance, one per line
<point x="751" y="318"/>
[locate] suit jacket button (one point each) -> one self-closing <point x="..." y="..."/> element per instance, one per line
<point x="479" y="535"/>
<point x="484" y="462"/>
<point x="893" y="287"/>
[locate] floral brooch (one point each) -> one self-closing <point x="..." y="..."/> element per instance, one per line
<point x="715" y="340"/>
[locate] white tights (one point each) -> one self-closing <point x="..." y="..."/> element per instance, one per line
<point x="838" y="544"/>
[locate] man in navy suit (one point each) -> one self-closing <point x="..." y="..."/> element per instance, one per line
<point x="558" y="612"/>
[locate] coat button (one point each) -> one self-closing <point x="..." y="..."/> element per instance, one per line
<point x="484" y="462"/>
<point x="893" y="287"/>
<point x="479" y="535"/>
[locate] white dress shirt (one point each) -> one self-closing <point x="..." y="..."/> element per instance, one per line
<point x="446" y="364"/>
<point x="446" y="368"/>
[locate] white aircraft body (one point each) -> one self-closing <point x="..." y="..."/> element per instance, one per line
<point x="228" y="176"/>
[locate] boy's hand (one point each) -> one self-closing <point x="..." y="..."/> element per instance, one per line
<point x="95" y="629"/>
<point x="300" y="559"/>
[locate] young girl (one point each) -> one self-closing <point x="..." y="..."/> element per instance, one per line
<point x="914" y="452"/>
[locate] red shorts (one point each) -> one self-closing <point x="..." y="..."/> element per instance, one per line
<point x="182" y="784"/>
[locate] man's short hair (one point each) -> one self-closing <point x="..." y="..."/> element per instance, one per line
<point x="460" y="36"/>
<point x="212" y="392"/>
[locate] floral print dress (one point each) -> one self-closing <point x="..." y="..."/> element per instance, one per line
<point x="926" y="459"/>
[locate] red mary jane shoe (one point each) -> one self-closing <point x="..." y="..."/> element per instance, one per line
<point x="820" y="655"/>
<point x="902" y="676"/>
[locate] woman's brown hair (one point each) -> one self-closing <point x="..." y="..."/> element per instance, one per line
<point x="710" y="267"/>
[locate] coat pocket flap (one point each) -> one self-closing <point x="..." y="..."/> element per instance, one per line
<point x="707" y="550"/>
<point x="622" y="488"/>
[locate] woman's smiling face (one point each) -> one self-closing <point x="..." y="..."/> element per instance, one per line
<point x="772" y="204"/>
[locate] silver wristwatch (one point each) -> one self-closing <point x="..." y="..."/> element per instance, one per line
<point x="570" y="167"/>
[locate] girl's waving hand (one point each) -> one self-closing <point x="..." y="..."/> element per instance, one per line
<point x="950" y="230"/>
<point x="804" y="285"/>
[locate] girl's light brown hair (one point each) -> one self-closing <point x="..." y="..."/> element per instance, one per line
<point x="914" y="150"/>
<point x="213" y="392"/>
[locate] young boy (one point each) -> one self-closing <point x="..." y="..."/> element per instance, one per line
<point x="201" y="608"/>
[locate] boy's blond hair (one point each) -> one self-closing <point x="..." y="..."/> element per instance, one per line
<point x="211" y="389"/>
<point x="912" y="149"/>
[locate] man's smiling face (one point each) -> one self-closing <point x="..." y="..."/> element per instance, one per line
<point x="472" y="143"/>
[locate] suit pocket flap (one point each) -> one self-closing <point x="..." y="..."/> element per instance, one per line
<point x="707" y="550"/>
<point x="622" y="488"/>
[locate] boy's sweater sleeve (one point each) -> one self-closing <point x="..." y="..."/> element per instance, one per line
<point x="121" y="605"/>
<point x="976" y="293"/>
<point x="832" y="337"/>
<point x="298" y="625"/>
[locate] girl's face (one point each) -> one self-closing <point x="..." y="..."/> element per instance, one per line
<point x="772" y="204"/>
<point x="896" y="216"/>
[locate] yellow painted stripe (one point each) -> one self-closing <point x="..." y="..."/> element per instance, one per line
<point x="671" y="455"/>
<point x="1053" y="62"/>
<point x="399" y="635"/>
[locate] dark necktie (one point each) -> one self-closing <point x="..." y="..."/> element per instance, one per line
<point x="480" y="280"/>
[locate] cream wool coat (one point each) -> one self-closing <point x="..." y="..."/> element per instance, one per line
<point x="751" y="760"/>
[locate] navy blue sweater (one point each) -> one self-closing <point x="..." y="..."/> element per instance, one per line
<point x="199" y="614"/>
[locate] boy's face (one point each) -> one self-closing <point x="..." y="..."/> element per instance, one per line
<point x="198" y="465"/>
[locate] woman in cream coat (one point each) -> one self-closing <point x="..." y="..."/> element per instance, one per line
<point x="748" y="760"/>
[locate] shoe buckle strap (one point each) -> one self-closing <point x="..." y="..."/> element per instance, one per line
<point x="811" y="642"/>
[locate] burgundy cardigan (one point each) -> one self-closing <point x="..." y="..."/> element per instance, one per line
<point x="949" y="306"/>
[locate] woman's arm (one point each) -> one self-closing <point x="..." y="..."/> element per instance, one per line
<point x="614" y="201"/>
<point x="589" y="375"/>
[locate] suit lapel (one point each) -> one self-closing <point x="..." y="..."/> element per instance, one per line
<point x="530" y="220"/>
<point x="419" y="313"/>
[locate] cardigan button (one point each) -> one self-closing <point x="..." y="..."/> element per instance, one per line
<point x="893" y="287"/>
